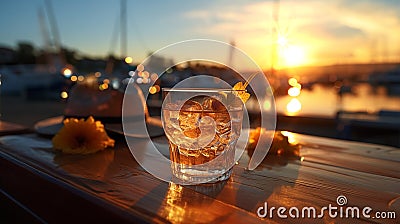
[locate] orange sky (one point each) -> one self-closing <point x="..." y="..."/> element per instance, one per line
<point x="312" y="32"/>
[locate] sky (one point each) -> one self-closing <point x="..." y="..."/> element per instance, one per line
<point x="307" y="32"/>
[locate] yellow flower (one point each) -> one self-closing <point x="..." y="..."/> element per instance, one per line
<point x="82" y="137"/>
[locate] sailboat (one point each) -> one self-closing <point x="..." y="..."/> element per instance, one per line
<point x="38" y="80"/>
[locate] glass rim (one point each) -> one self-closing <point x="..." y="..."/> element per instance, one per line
<point x="194" y="89"/>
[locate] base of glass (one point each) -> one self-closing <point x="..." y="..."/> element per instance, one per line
<point x="223" y="177"/>
<point x="199" y="177"/>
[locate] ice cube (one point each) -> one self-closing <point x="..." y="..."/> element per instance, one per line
<point x="207" y="127"/>
<point x="213" y="104"/>
<point x="189" y="118"/>
<point x="215" y="109"/>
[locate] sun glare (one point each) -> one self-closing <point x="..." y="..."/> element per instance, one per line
<point x="282" y="41"/>
<point x="290" y="55"/>
<point x="294" y="56"/>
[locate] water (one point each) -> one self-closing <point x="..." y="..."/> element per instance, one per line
<point x="325" y="101"/>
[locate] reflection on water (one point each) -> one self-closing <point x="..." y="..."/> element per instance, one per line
<point x="294" y="91"/>
<point x="293" y="107"/>
<point x="295" y="88"/>
<point x="325" y="101"/>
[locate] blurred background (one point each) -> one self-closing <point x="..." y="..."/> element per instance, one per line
<point x="334" y="66"/>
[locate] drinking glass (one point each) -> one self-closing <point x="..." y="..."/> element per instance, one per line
<point x="202" y="126"/>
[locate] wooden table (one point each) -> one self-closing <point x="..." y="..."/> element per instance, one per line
<point x="47" y="186"/>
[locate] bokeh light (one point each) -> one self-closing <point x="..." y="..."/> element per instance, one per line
<point x="154" y="77"/>
<point x="67" y="72"/>
<point x="294" y="91"/>
<point x="292" y="81"/>
<point x="81" y="78"/>
<point x="140" y="68"/>
<point x="145" y="74"/>
<point x="103" y="86"/>
<point x="128" y="60"/>
<point x="97" y="74"/>
<point x="74" y="78"/>
<point x="152" y="90"/>
<point x="64" y="95"/>
<point x="158" y="88"/>
<point x="115" y="83"/>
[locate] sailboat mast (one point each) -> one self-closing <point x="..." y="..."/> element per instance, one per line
<point x="53" y="25"/>
<point x="124" y="40"/>
<point x="44" y="30"/>
<point x="275" y="17"/>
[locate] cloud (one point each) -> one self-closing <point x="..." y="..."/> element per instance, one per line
<point x="344" y="31"/>
<point x="333" y="31"/>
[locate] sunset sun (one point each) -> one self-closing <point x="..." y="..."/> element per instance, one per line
<point x="294" y="56"/>
<point x="289" y="54"/>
